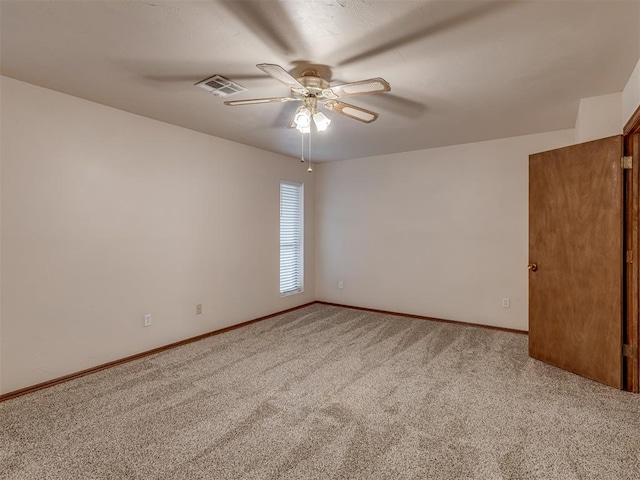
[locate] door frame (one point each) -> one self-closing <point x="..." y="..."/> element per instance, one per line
<point x="631" y="324"/>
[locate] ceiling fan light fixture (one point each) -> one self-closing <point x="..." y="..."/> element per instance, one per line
<point x="306" y="129"/>
<point x="321" y="121"/>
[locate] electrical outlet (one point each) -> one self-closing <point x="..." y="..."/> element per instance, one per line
<point x="198" y="309"/>
<point x="147" y="320"/>
<point x="506" y="303"/>
<point x="340" y="284"/>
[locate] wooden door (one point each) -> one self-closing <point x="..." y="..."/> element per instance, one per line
<point x="576" y="243"/>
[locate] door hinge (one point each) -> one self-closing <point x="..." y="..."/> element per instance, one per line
<point x="628" y="351"/>
<point x="629" y="257"/>
<point x="626" y="162"/>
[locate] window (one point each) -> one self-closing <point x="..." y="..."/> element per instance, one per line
<point x="291" y="228"/>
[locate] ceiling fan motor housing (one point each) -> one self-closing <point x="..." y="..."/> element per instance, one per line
<point x="313" y="82"/>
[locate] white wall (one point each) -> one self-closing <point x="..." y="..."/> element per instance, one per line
<point x="440" y="232"/>
<point x="599" y="117"/>
<point x="107" y="216"/>
<point x="631" y="95"/>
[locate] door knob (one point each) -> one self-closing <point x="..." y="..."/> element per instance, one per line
<point x="533" y="267"/>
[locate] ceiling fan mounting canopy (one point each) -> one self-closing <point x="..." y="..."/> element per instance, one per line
<point x="312" y="89"/>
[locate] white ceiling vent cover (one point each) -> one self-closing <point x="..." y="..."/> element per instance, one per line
<point x="220" y="86"/>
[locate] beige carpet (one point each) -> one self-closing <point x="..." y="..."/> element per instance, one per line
<point x="328" y="393"/>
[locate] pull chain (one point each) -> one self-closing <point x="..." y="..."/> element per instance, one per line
<point x="302" y="144"/>
<point x="309" y="169"/>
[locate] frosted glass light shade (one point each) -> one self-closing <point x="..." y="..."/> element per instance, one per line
<point x="302" y="117"/>
<point x="321" y="121"/>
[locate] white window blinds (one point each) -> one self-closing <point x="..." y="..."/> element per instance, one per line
<point x="291" y="228"/>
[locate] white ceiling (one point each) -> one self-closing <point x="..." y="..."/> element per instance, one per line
<point x="459" y="71"/>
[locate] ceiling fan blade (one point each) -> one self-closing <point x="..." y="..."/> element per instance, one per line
<point x="351" y="111"/>
<point x="363" y="87"/>
<point x="253" y="101"/>
<point x="411" y="28"/>
<point x="280" y="74"/>
<point x="270" y="22"/>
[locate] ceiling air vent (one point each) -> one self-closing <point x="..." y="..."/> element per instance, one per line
<point x="220" y="86"/>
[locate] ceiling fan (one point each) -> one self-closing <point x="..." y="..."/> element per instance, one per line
<point x="311" y="90"/>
